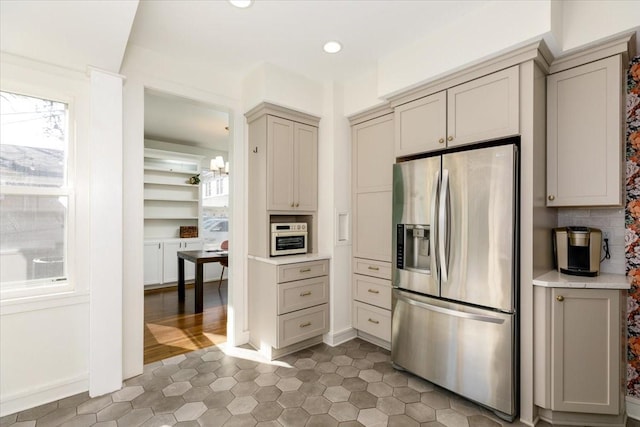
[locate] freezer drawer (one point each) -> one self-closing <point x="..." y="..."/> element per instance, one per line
<point x="467" y="350"/>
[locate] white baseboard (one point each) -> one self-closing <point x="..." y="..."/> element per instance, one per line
<point x="336" y="338"/>
<point x="16" y="402"/>
<point x="633" y="407"/>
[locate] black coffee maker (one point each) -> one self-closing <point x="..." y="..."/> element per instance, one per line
<point x="576" y="250"/>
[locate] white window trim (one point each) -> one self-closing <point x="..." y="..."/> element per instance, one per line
<point x="46" y="289"/>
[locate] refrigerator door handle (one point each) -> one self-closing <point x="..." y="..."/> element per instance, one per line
<point x="435" y="265"/>
<point x="450" y="312"/>
<point x="442" y="225"/>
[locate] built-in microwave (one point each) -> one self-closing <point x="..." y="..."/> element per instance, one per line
<point x="288" y="238"/>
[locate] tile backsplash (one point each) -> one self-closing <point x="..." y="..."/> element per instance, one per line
<point x="609" y="220"/>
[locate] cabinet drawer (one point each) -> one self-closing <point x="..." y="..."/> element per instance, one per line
<point x="300" y="325"/>
<point x="372" y="320"/>
<point x="372" y="268"/>
<point x="301" y="294"/>
<point x="372" y="291"/>
<point x="302" y="270"/>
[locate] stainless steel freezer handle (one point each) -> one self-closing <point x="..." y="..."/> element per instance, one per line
<point x="435" y="265"/>
<point x="443" y="225"/>
<point x="448" y="311"/>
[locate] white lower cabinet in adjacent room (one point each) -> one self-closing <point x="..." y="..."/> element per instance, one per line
<point x="289" y="304"/>
<point x="152" y="262"/>
<point x="170" y="253"/>
<point x="161" y="261"/>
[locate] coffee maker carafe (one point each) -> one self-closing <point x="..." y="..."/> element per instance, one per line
<point x="577" y="250"/>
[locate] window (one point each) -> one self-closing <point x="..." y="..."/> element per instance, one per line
<point x="34" y="195"/>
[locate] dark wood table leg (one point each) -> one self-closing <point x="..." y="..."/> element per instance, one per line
<point x="181" y="280"/>
<point x="199" y="287"/>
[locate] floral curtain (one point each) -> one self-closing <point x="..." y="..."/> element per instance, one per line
<point x="632" y="221"/>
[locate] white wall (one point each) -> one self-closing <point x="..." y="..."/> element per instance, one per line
<point x="270" y="83"/>
<point x="586" y="21"/>
<point x="471" y="38"/>
<point x="44" y="341"/>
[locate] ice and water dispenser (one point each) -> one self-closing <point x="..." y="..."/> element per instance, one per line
<point x="413" y="248"/>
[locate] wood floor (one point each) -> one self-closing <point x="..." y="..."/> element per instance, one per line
<point x="172" y="328"/>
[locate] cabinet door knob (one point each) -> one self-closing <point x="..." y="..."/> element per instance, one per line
<point x="450" y="138"/>
<point x="441" y="140"/>
<point x="305" y="270"/>
<point x="304" y="325"/>
<point x="560" y="298"/>
<point x="292" y="204"/>
<point x="373" y="291"/>
<point x="371" y="267"/>
<point x="375" y="322"/>
<point x="297" y="204"/>
<point x="551" y="197"/>
<point x="305" y="294"/>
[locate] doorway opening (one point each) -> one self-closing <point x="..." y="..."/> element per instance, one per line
<point x="186" y="212"/>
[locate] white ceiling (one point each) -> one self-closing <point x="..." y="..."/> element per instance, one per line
<point x="290" y="33"/>
<point x="173" y="119"/>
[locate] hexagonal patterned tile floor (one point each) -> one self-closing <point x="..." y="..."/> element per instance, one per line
<point x="352" y="384"/>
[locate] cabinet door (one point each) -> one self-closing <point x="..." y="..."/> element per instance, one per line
<point x="421" y="125"/>
<point x="372" y="225"/>
<point x="483" y="109"/>
<point x="170" y="256"/>
<point x="280" y="163"/>
<point x="152" y="263"/>
<point x="585" y="356"/>
<point x="584" y="135"/>
<point x="305" y="167"/>
<point x="373" y="155"/>
<point x="189" y="267"/>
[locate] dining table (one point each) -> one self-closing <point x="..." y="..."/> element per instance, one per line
<point x="199" y="258"/>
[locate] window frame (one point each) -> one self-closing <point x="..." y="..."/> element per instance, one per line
<point x="46" y="287"/>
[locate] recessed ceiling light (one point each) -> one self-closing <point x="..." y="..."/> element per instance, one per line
<point x="332" y="47"/>
<point x="241" y="3"/>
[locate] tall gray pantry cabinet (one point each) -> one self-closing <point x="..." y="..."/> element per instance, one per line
<point x="288" y="295"/>
<point x="372" y="179"/>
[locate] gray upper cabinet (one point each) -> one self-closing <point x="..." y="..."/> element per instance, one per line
<point x="292" y="165"/>
<point x="584" y="135"/>
<point x="479" y="110"/>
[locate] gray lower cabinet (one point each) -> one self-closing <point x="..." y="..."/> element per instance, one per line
<point x="288" y="305"/>
<point x="371" y="290"/>
<point x="579" y="356"/>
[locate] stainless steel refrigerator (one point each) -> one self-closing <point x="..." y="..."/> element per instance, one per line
<point x="454" y="317"/>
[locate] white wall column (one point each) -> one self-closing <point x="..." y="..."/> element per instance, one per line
<point x="105" y="136"/>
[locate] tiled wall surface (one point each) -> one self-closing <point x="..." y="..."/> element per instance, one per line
<point x="609" y="220"/>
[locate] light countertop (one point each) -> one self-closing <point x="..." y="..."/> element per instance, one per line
<point x="290" y="259"/>
<point x="555" y="279"/>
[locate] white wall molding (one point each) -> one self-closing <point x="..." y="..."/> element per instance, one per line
<point x="633" y="407"/>
<point x="43" y="303"/>
<point x="374" y="340"/>
<point x="45" y="393"/>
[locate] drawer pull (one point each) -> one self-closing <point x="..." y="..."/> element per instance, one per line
<point x="373" y="291"/>
<point x="304" y="325"/>
<point x="375" y="322"/>
<point x="305" y="270"/>
<point x="305" y="294"/>
<point x="371" y="267"/>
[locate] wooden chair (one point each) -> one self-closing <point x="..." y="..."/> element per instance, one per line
<point x="225" y="247"/>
